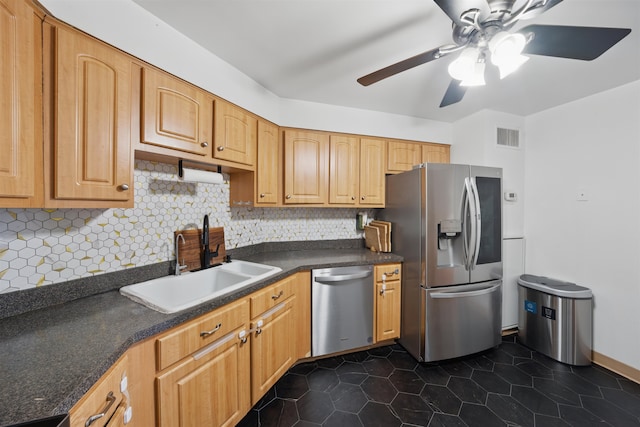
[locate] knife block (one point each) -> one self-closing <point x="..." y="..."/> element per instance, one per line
<point x="190" y="252"/>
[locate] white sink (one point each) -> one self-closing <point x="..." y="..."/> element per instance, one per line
<point x="170" y="294"/>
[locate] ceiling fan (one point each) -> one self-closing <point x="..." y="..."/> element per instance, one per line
<point x="481" y="33"/>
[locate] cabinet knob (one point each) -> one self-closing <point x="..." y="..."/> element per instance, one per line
<point x="262" y="195"/>
<point x="363" y="197"/>
<point x="221" y="148"/>
<point x="288" y="196"/>
<point x="353" y="197"/>
<point x="124" y="187"/>
<point x="204" y="144"/>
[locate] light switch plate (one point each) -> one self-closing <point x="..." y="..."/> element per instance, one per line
<point x="582" y="196"/>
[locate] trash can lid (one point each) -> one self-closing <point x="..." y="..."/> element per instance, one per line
<point x="554" y="287"/>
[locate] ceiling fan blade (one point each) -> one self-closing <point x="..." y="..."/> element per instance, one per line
<point x="455" y="92"/>
<point x="455" y="8"/>
<point x="540" y="10"/>
<point x="585" y="43"/>
<point x="398" y="67"/>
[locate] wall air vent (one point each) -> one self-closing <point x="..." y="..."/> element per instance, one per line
<point x="508" y="137"/>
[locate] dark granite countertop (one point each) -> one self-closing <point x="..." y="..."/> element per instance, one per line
<point x="51" y="356"/>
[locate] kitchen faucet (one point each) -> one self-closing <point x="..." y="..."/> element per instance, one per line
<point x="179" y="267"/>
<point x="206" y="254"/>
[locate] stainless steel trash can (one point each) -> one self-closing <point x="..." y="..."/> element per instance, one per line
<point x="555" y="318"/>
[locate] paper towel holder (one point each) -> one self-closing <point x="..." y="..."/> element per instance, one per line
<point x="181" y="167"/>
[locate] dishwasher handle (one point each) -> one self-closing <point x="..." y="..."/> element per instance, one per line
<point x="342" y="277"/>
<point x="449" y="294"/>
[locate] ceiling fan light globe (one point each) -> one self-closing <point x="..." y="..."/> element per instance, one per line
<point x="504" y="45"/>
<point x="477" y="77"/>
<point x="512" y="64"/>
<point x="464" y="66"/>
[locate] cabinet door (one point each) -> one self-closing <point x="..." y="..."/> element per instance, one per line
<point x="306" y="163"/>
<point x="372" y="172"/>
<point x="343" y="170"/>
<point x="175" y="114"/>
<point x="273" y="350"/>
<point x="387" y="310"/>
<point x="211" y="389"/>
<point x="18" y="99"/>
<point x="387" y="301"/>
<point x="92" y="152"/>
<point x="435" y="153"/>
<point x="267" y="164"/>
<point x="402" y="156"/>
<point x="235" y="134"/>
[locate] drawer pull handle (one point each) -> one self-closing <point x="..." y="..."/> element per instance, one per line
<point x="391" y="273"/>
<point x="205" y="334"/>
<point x="110" y="401"/>
<point x="275" y="297"/>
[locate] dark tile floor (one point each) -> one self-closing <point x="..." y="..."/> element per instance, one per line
<point x="507" y="386"/>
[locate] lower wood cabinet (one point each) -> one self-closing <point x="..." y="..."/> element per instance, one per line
<point x="212" y="369"/>
<point x="279" y="324"/>
<point x="209" y="388"/>
<point x="387" y="301"/>
<point x="106" y="403"/>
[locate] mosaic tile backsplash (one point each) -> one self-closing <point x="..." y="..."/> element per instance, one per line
<point x="41" y="247"/>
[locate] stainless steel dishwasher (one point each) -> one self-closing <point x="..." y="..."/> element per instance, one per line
<point x="341" y="309"/>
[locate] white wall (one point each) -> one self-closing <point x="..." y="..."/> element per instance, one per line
<point x="592" y="146"/>
<point x="474" y="142"/>
<point x="124" y="24"/>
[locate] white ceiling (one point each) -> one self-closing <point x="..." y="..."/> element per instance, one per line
<point x="314" y="50"/>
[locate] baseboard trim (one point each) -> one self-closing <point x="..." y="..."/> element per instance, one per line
<point x="618" y="367"/>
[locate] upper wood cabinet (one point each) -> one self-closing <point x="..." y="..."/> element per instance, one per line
<point x="435" y="153"/>
<point x="235" y="134"/>
<point x="402" y="156"/>
<point x="268" y="164"/>
<point x="20" y="105"/>
<point x="175" y="114"/>
<point x="372" y="184"/>
<point x="343" y="169"/>
<point x="91" y="152"/>
<point x="306" y="165"/>
<point x="262" y="188"/>
<point x="356" y="171"/>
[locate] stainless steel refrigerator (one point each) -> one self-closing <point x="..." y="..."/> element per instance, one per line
<point x="447" y="224"/>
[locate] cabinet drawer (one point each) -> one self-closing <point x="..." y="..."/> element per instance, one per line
<point x="184" y="340"/>
<point x="102" y="400"/>
<point x="271" y="296"/>
<point x="392" y="271"/>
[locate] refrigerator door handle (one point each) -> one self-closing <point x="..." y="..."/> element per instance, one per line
<point x="450" y="294"/>
<point x="470" y="230"/>
<point x="476" y="223"/>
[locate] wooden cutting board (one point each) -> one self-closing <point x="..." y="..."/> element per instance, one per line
<point x="384" y="228"/>
<point x="372" y="238"/>
<point x="190" y="252"/>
